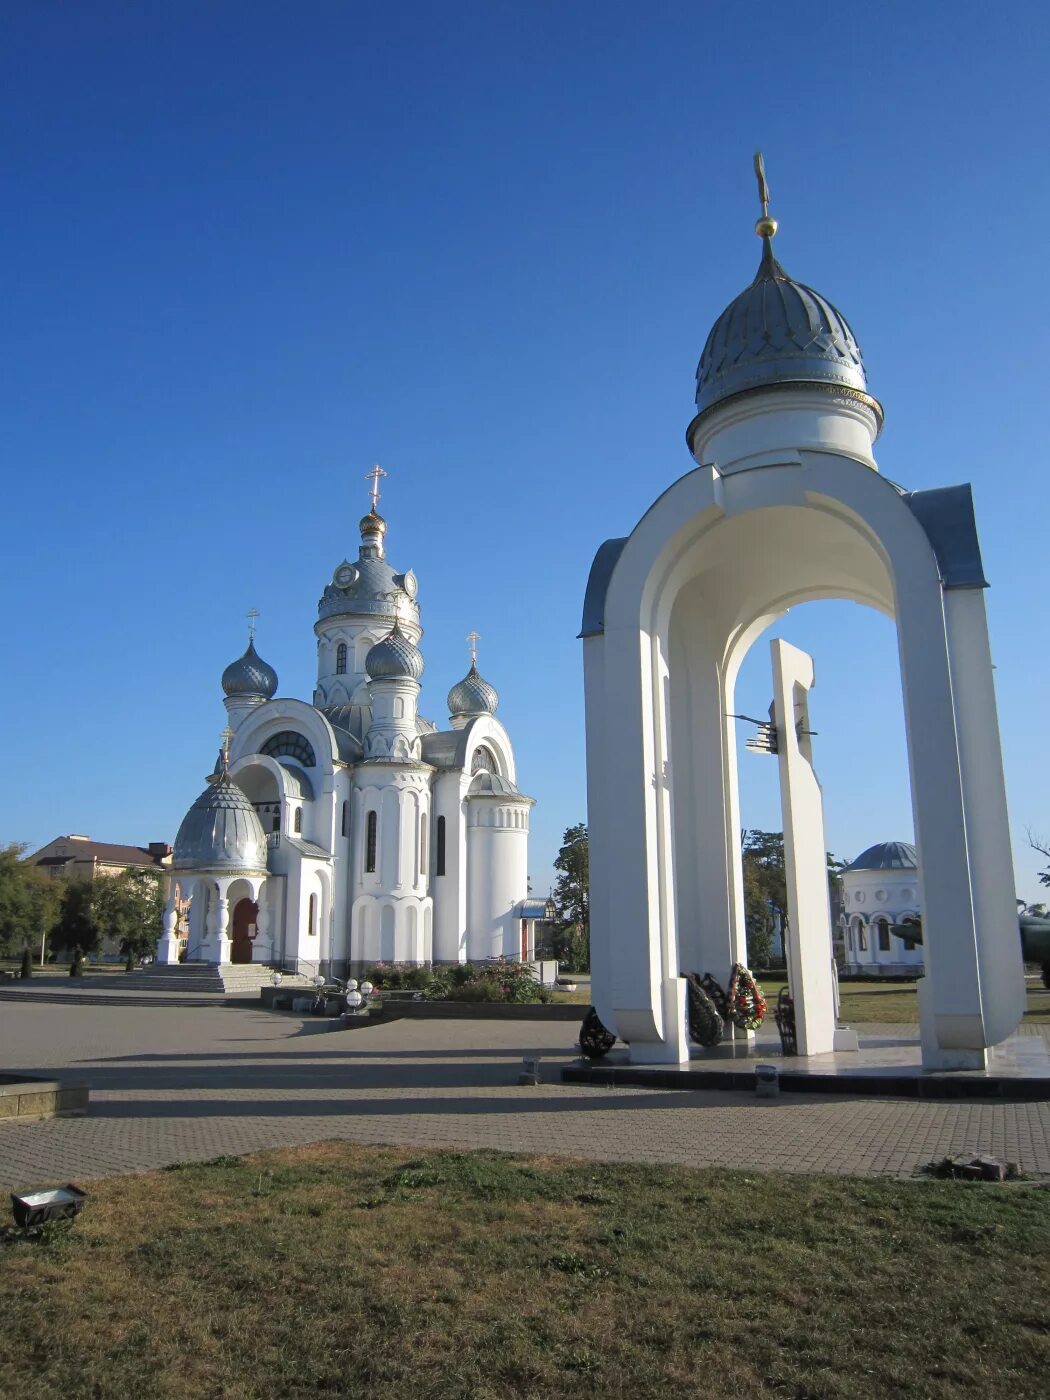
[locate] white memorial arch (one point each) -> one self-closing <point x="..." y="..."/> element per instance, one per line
<point x="785" y="505"/>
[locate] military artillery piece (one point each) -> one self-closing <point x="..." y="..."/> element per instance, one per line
<point x="1035" y="939"/>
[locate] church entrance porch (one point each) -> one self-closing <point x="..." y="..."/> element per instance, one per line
<point x="245" y="914"/>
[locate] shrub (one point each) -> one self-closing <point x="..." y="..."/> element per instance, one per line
<point x="459" y="973"/>
<point x="476" y="991"/>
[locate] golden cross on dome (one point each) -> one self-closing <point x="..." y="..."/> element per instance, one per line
<point x="374" y="477"/>
<point x="251" y="615"/>
<point x="226" y="736"/>
<point x="473" y="638"/>
<point x="766" y="226"/>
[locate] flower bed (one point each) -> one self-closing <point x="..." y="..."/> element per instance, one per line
<point x="499" y="981"/>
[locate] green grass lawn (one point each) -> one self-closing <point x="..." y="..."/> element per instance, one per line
<point x="872" y="1003"/>
<point x="349" y="1271"/>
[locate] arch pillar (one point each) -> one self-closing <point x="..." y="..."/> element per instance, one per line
<point x="669" y="613"/>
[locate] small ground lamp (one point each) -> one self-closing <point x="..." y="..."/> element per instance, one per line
<point x="38" y="1208"/>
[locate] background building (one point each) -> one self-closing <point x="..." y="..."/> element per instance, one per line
<point x="879" y="889"/>
<point x="352" y="830"/>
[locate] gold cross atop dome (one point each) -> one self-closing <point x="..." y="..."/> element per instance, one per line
<point x="251" y="615"/>
<point x="226" y="736"/>
<point x="766" y="226"/>
<point x="473" y="638"/>
<point x="374" y="476"/>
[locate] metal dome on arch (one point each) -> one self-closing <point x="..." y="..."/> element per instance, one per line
<point x="779" y="332"/>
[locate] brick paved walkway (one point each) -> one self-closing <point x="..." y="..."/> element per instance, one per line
<point x="176" y="1083"/>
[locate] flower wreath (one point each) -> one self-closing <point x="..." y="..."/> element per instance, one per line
<point x="716" y="992"/>
<point x="705" y="1023"/>
<point x="595" y="1039"/>
<point x="745" y="1004"/>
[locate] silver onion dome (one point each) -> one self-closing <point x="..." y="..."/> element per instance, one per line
<point x="250" y="675"/>
<point x="778" y="332"/>
<point x="472" y="695"/>
<point x="221" y="831"/>
<point x="394" y="657"/>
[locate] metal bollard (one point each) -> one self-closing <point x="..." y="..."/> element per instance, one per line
<point x="767" y="1081"/>
<point x="530" y="1070"/>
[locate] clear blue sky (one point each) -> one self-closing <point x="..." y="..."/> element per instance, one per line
<point x="251" y="248"/>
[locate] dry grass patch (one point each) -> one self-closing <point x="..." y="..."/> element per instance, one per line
<point x="340" y="1270"/>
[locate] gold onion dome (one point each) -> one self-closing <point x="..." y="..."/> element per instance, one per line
<point x="373" y="523"/>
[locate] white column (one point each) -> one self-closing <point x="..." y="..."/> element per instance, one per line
<point x="219" y="944"/>
<point x="168" y="947"/>
<point x="262" y="948"/>
<point x="987" y="820"/>
<point x="951" y="1017"/>
<point x="805" y="855"/>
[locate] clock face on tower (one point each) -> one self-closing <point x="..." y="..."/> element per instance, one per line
<point x="345" y="576"/>
<point x="410" y="584"/>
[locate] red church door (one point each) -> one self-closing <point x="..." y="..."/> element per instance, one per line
<point x="244" y="916"/>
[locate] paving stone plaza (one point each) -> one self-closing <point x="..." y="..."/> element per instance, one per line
<point x="174" y="1082"/>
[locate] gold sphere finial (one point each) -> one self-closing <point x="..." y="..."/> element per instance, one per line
<point x="766" y="226"/>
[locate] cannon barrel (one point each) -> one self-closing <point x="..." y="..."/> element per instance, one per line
<point x="1035" y="938"/>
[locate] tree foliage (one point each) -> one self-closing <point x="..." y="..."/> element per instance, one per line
<point x="1038" y="844"/>
<point x="28" y="901"/>
<point x="128" y="908"/>
<point x="571" y="937"/>
<point x="765" y="892"/>
<point x="75" y="930"/>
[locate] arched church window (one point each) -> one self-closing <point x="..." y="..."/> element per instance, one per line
<point x="371" y="838"/>
<point x="346" y="815"/>
<point x="311" y="917"/>
<point x="483" y="761"/>
<point x="298" y="820"/>
<point x="862" y="938"/>
<point x="423" y="844"/>
<point x="340" y="659"/>
<point x="439" y="852"/>
<point x="289" y="744"/>
<point x="884" y="936"/>
<point x="276" y="819"/>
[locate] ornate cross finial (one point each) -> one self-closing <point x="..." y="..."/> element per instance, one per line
<point x="226" y="736"/>
<point x="251" y="615"/>
<point x="766" y="226"/>
<point x="473" y="638"/>
<point x="374" y="477"/>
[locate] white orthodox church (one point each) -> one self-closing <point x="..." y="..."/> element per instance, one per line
<point x="350" y="830"/>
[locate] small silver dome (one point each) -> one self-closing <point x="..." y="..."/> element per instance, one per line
<point x="887" y="855"/>
<point x="394" y="658"/>
<point x="221" y="831"/>
<point x="472" y="695"/>
<point x="778" y="331"/>
<point x="250" y="675"/>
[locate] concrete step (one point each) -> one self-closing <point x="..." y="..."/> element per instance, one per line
<point x="241" y="978"/>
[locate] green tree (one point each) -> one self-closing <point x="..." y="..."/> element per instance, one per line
<point x="571" y="937"/>
<point x="76" y="929"/>
<point x="1040" y="845"/>
<point x="128" y="908"/>
<point x="765" y="891"/>
<point x="29" y="901"/>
